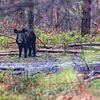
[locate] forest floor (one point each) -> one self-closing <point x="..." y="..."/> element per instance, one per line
<point x="53" y="64"/>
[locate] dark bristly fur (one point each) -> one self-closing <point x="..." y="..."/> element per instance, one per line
<point x="26" y="39"/>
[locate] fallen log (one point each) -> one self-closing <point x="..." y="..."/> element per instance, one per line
<point x="15" y="52"/>
<point x="73" y="45"/>
<point x="85" y="44"/>
<point x="76" y="44"/>
<point x="8" y="53"/>
<point x="58" y="51"/>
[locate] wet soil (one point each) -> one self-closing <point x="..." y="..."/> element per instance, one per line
<point x="47" y="62"/>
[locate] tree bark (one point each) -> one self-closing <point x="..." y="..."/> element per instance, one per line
<point x="86" y="19"/>
<point x="31" y="16"/>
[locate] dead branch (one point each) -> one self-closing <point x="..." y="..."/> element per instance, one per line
<point x="8" y="53"/>
<point x="42" y="42"/>
<point x="93" y="78"/>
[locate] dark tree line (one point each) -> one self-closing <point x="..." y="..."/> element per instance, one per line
<point x="55" y="14"/>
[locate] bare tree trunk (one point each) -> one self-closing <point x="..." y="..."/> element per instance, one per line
<point x="86" y="19"/>
<point x="69" y="22"/>
<point x="97" y="5"/>
<point x="31" y="16"/>
<point x="57" y="17"/>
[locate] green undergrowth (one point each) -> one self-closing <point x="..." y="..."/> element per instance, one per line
<point x="94" y="86"/>
<point x="38" y="86"/>
<point x="4" y="42"/>
<point x="10" y="96"/>
<point x="55" y="38"/>
<point x="91" y="55"/>
<point x="42" y="86"/>
<point x="65" y="37"/>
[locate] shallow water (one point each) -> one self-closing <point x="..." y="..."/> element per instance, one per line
<point x="50" y="63"/>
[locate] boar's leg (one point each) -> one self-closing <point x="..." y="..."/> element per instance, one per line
<point x="30" y="49"/>
<point x="20" y="51"/>
<point x="25" y="52"/>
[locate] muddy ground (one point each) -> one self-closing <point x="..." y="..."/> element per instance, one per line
<point x="46" y="62"/>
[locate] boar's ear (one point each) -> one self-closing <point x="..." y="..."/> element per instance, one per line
<point x="23" y="30"/>
<point x="15" y="31"/>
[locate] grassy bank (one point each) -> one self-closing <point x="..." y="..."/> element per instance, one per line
<point x="64" y="84"/>
<point x="38" y="87"/>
